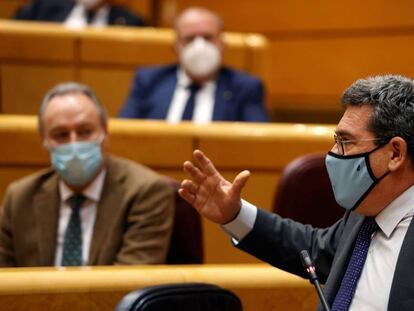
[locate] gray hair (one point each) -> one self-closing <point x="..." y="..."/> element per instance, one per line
<point x="66" y="89"/>
<point x="392" y="100"/>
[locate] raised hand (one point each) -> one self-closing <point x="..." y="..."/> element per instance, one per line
<point x="212" y="196"/>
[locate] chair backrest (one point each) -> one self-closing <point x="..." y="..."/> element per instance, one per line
<point x="305" y="194"/>
<point x="180" y="297"/>
<point x="186" y="246"/>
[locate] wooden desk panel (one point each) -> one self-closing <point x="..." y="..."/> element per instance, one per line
<point x="260" y="287"/>
<point x="23" y="86"/>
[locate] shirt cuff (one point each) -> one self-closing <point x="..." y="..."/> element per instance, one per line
<point x="243" y="223"/>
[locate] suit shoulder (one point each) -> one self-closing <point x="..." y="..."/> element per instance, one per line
<point x="31" y="182"/>
<point x="155" y="72"/>
<point x="238" y="76"/>
<point x="134" y="172"/>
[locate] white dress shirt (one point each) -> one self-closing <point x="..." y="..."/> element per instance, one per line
<point x="204" y="100"/>
<point x="87" y="213"/>
<point x="373" y="288"/>
<point x="77" y="18"/>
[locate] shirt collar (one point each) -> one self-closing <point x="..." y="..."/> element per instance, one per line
<point x="183" y="80"/>
<point x="92" y="192"/>
<point x="403" y="206"/>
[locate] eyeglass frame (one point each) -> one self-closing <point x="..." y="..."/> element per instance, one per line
<point x="340" y="143"/>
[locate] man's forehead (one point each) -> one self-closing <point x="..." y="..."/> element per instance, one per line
<point x="73" y="101"/>
<point x="355" y="121"/>
<point x="197" y="19"/>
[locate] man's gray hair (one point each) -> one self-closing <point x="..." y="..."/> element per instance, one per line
<point x="66" y="89"/>
<point x="392" y="100"/>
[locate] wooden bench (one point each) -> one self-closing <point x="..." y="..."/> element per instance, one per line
<point x="260" y="287"/>
<point x="264" y="149"/>
<point x="36" y="56"/>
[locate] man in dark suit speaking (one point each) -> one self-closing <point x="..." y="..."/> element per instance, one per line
<point x="79" y="13"/>
<point x="199" y="88"/>
<point x="366" y="258"/>
<point x="89" y="207"/>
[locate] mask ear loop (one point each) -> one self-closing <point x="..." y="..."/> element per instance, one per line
<point x="375" y="179"/>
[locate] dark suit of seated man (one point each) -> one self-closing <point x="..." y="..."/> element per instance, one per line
<point x="79" y="13"/>
<point x="89" y="208"/>
<point x="199" y="88"/>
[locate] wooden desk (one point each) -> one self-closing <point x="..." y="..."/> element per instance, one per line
<point x="260" y="287"/>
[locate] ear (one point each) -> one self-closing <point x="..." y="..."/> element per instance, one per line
<point x="398" y="153"/>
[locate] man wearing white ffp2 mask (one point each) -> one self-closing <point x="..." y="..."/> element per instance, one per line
<point x="198" y="88"/>
<point x="200" y="58"/>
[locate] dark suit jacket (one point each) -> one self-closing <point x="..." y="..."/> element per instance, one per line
<point x="133" y="221"/>
<point x="239" y="96"/>
<point x="58" y="11"/>
<point x="281" y="240"/>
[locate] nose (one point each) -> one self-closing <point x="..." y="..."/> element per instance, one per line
<point x="335" y="148"/>
<point x="73" y="137"/>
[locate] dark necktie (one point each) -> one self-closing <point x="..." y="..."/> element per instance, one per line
<point x="90" y="16"/>
<point x="189" y="106"/>
<point x="72" y="245"/>
<point x="356" y="263"/>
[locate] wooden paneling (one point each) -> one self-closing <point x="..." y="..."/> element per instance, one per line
<point x="24" y="86"/>
<point x="111" y="85"/>
<point x="299" y="15"/>
<point x="9" y="7"/>
<point x="264" y="149"/>
<point x="259" y="287"/>
<point x="313" y="73"/>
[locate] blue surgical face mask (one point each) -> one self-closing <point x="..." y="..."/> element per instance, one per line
<point x="77" y="163"/>
<point x="351" y="177"/>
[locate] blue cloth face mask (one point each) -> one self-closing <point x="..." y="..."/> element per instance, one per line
<point x="77" y="162"/>
<point x="351" y="177"/>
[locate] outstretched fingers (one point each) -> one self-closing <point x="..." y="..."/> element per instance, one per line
<point x="204" y="163"/>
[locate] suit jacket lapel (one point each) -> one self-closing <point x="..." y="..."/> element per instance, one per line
<point x="46" y="208"/>
<point x="223" y="98"/>
<point x="402" y="288"/>
<point x="107" y="210"/>
<point x="163" y="96"/>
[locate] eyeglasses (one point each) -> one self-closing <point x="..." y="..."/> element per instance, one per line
<point x="341" y="143"/>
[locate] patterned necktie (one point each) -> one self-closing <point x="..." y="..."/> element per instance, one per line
<point x="353" y="272"/>
<point x="72" y="245"/>
<point x="189" y="106"/>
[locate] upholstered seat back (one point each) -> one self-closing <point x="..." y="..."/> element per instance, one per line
<point x="305" y="194"/>
<point x="186" y="246"/>
<point x="181" y="297"/>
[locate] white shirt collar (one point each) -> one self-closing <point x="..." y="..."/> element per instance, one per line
<point x="77" y="17"/>
<point x="92" y="192"/>
<point x="396" y="211"/>
<point x="183" y="80"/>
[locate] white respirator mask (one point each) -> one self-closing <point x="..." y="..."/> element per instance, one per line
<point x="200" y="57"/>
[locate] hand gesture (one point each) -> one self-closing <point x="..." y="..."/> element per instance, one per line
<point x="211" y="195"/>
